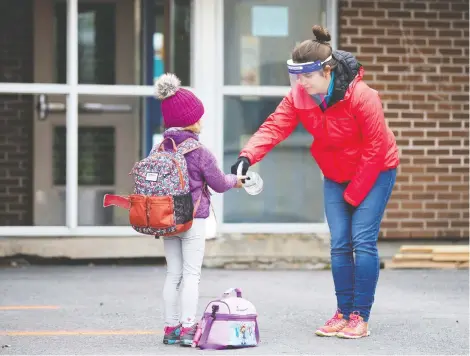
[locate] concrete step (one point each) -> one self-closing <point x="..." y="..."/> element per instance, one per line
<point x="261" y="251"/>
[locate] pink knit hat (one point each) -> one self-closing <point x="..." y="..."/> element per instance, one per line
<point x="180" y="107"/>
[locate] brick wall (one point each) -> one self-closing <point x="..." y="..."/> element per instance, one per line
<point x="415" y="52"/>
<point x="16" y="113"/>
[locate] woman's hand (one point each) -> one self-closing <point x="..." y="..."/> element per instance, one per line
<point x="245" y="165"/>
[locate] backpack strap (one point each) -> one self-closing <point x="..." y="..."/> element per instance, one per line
<point x="196" y="206"/>
<point x="188" y="145"/>
<point x="120" y="201"/>
<point x="161" y="147"/>
<point x="205" y="334"/>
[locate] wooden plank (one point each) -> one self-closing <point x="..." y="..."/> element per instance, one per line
<point x="452" y="249"/>
<point x="463" y="265"/>
<point x="435" y="249"/>
<point x="420" y="265"/>
<point x="417" y="248"/>
<point x="413" y="256"/>
<point x="457" y="257"/>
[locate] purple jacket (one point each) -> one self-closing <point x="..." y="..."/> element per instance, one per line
<point x="202" y="167"/>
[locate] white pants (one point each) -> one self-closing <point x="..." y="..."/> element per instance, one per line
<point x="184" y="255"/>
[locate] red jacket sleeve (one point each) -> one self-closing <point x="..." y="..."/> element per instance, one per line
<point x="367" y="108"/>
<point x="276" y="128"/>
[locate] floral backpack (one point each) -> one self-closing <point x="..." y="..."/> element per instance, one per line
<point x="161" y="204"/>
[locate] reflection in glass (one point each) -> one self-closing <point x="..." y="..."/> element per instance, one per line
<point x="96" y="173"/>
<point x="259" y="38"/>
<point x="172" y="38"/>
<point x="96" y="43"/>
<point x="292" y="180"/>
<point x="96" y="151"/>
<point x="181" y="40"/>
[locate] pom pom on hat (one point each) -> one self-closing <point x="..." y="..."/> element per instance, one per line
<point x="180" y="107"/>
<point x="166" y="85"/>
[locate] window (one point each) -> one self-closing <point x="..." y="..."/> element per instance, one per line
<point x="96" y="43"/>
<point x="171" y="21"/>
<point x="96" y="155"/>
<point x="260" y="35"/>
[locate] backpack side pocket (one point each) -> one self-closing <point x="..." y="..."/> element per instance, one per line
<point x="138" y="210"/>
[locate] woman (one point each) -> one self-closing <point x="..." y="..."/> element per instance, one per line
<point x="358" y="156"/>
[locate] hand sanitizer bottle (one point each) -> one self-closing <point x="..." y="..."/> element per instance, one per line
<point x="253" y="185"/>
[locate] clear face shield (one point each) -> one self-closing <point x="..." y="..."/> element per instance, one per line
<point x="308" y="76"/>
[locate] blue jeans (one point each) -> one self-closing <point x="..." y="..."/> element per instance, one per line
<point x="354" y="231"/>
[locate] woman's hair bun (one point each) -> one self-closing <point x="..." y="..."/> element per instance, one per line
<point x="321" y="34"/>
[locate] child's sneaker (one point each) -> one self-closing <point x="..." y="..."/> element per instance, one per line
<point x="355" y="329"/>
<point x="172" y="335"/>
<point x="187" y="335"/>
<point x="332" y="326"/>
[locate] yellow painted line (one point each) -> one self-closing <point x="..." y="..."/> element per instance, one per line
<point x="28" y="307"/>
<point x="80" y="332"/>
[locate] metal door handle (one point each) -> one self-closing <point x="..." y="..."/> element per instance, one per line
<point x="104" y="108"/>
<point x="44" y="108"/>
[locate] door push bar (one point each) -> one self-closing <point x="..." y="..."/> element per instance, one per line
<point x="44" y="108"/>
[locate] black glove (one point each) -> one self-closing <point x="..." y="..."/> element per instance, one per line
<point x="245" y="165"/>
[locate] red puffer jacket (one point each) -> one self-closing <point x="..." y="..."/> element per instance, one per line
<point x="352" y="142"/>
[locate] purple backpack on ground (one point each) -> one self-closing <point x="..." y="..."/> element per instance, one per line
<point x="229" y="322"/>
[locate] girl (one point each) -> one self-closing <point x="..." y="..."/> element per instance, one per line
<point x="358" y="156"/>
<point x="182" y="112"/>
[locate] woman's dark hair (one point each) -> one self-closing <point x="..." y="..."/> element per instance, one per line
<point x="315" y="49"/>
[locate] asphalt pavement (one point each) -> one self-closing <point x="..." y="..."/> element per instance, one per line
<point x="117" y="311"/>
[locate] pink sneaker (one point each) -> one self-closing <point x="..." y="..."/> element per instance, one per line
<point x="355" y="329"/>
<point x="172" y="335"/>
<point x="187" y="335"/>
<point x="332" y="326"/>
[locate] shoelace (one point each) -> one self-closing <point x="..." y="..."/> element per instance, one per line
<point x="333" y="320"/>
<point x="353" y="321"/>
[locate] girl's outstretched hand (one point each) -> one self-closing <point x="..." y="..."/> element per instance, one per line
<point x="240" y="180"/>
